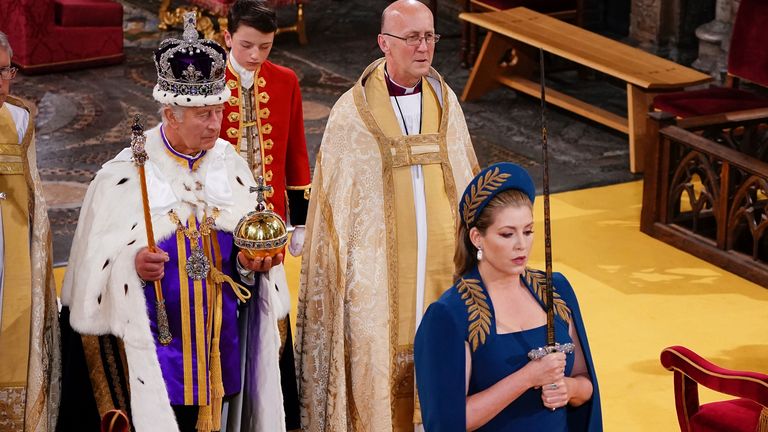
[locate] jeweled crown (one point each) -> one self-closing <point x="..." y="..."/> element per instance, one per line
<point x="190" y="71"/>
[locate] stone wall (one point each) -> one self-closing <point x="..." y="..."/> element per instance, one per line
<point x="693" y="32"/>
<point x="667" y="27"/>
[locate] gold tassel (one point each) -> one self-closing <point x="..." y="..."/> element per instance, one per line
<point x="216" y="379"/>
<point x="217" y="384"/>
<point x="204" y="419"/>
<point x="762" y="425"/>
<point x="242" y="293"/>
<point x="216" y="413"/>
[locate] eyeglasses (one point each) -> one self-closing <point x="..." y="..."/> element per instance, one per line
<point x="415" y="40"/>
<point x="8" y="72"/>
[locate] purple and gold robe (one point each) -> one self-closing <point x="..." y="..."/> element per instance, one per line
<point x="105" y="296"/>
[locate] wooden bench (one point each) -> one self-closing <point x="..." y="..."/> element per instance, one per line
<point x="522" y="32"/>
<point x="566" y="10"/>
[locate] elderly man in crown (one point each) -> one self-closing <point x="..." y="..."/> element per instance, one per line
<point x="150" y="331"/>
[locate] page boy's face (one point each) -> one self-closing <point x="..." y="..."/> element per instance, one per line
<point x="249" y="47"/>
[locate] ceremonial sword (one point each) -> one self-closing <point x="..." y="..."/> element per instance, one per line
<point x="140" y="157"/>
<point x="552" y="346"/>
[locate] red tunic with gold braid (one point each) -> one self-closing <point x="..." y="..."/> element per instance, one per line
<point x="280" y="122"/>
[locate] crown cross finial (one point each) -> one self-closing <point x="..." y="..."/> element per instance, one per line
<point x="260" y="189"/>
<point x="190" y="27"/>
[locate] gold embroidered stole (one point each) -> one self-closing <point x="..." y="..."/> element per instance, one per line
<point x="208" y="312"/>
<point x="17" y="273"/>
<point x="429" y="150"/>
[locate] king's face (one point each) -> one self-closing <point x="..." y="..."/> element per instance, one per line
<point x="199" y="127"/>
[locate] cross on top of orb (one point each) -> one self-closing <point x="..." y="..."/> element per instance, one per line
<point x="260" y="189"/>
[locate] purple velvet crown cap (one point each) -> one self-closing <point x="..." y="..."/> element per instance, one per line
<point x="190" y="71"/>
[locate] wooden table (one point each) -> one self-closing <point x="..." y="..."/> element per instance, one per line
<point x="522" y="31"/>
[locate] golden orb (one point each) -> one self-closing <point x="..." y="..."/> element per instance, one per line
<point x="261" y="233"/>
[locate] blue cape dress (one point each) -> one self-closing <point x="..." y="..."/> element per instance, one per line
<point x="465" y="314"/>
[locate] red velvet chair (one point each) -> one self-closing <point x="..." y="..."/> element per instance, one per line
<point x="746" y="414"/>
<point x="747" y="59"/>
<point x="51" y="35"/>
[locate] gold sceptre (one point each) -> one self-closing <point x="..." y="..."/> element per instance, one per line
<point x="140" y="158"/>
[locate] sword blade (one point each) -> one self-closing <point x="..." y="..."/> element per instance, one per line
<point x="549" y="294"/>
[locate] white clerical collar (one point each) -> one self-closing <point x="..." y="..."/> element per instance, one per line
<point x="396" y="89"/>
<point x="246" y="76"/>
<point x="406" y="90"/>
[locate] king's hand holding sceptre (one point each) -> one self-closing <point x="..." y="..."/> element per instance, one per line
<point x="150" y="262"/>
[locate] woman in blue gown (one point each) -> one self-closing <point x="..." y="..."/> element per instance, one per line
<point x="472" y="345"/>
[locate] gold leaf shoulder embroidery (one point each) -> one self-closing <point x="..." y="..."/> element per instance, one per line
<point x="538" y="280"/>
<point x="479" y="311"/>
<point x="479" y="192"/>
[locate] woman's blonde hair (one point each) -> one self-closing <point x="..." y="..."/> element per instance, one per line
<point x="465" y="255"/>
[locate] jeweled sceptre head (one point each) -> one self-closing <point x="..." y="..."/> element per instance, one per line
<point x="137" y="141"/>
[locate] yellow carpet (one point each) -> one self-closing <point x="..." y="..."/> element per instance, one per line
<point x="639" y="295"/>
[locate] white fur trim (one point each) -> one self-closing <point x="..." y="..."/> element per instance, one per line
<point x="282" y="303"/>
<point x="170" y="98"/>
<point x="270" y="414"/>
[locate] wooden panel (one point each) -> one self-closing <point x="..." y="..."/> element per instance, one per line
<point x="732" y="169"/>
<point x="639" y="104"/>
<point x="589" y="49"/>
<point x="706" y="249"/>
<point x="699" y="143"/>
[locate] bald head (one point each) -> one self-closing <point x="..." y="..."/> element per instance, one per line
<point x="407" y="62"/>
<point x="398" y="10"/>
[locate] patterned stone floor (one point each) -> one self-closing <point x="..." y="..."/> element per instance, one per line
<point x="84" y="116"/>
